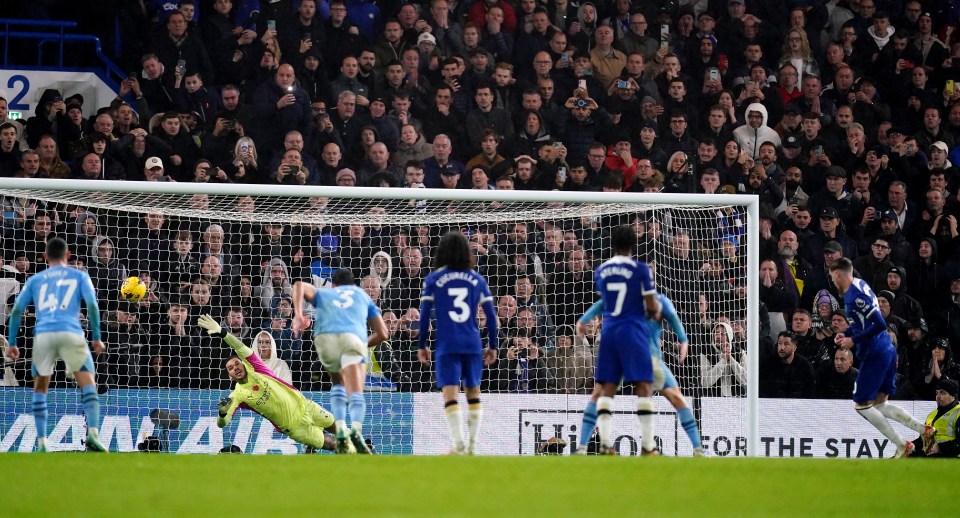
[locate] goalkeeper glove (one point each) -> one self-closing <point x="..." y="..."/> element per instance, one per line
<point x="224" y="405"/>
<point x="211" y="326"/>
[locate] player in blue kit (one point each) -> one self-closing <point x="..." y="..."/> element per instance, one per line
<point x="56" y="293"/>
<point x="630" y="298"/>
<point x="340" y="336"/>
<point x="878" y="359"/>
<point x="453" y="291"/>
<point x="663" y="380"/>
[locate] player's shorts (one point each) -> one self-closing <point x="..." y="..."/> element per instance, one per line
<point x="309" y="430"/>
<point x="70" y="347"/>
<point x="662" y="377"/>
<point x="452" y="367"/>
<point x="878" y="374"/>
<point x="332" y="347"/>
<point x="624" y="355"/>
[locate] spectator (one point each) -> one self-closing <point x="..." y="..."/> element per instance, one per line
<point x="945" y="419"/>
<point x="721" y="373"/>
<point x="282" y="107"/>
<point x="267" y="351"/>
<point x="790" y="376"/>
<point x="837" y="382"/>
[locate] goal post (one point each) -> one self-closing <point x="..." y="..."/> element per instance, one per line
<point x="305" y="227"/>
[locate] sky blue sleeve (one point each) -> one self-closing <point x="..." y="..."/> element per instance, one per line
<point x="672" y="318"/>
<point x="372" y="310"/>
<point x="93" y="308"/>
<point x="593" y="312"/>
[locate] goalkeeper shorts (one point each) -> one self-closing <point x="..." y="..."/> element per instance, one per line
<point x="71" y="347"/>
<point x="309" y="429"/>
<point x="332" y="347"/>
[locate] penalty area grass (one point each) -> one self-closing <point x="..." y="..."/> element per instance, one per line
<point x="134" y="484"/>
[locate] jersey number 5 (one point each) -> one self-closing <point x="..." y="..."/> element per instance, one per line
<point x="345" y="300"/>
<point x="460" y="303"/>
<point x="48" y="301"/>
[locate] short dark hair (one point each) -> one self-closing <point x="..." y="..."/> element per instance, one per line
<point x="453" y="251"/>
<point x="843" y="264"/>
<point x="56" y="249"/>
<point x="343" y="277"/>
<point x="623" y="238"/>
<point x="788" y="334"/>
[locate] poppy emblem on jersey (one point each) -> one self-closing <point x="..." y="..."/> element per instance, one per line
<point x="256" y="388"/>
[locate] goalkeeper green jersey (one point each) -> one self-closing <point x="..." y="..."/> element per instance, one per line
<point x="263" y="392"/>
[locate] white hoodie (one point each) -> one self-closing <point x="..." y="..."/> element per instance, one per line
<point x="277" y="365"/>
<point x="751" y="139"/>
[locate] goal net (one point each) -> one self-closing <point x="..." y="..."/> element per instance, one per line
<point x="235" y="251"/>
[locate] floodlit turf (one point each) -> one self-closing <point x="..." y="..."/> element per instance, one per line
<point x="76" y="484"/>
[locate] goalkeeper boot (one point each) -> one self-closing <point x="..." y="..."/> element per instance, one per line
<point x="929" y="436"/>
<point x="345" y="445"/>
<point x="359" y="444"/>
<point x="905" y="451"/>
<point x="93" y="443"/>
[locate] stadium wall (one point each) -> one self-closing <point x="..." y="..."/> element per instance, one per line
<point x="403" y="424"/>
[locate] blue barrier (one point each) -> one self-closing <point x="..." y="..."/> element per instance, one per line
<point x="125" y="416"/>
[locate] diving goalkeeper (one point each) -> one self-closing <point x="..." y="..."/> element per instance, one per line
<point x="259" y="389"/>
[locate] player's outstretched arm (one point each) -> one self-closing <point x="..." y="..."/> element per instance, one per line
<point x="592" y="313"/>
<point x="226" y="407"/>
<point x="213" y="329"/>
<point x="302" y="291"/>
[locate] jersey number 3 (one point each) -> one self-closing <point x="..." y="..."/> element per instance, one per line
<point x="462" y="313"/>
<point x="49" y="302"/>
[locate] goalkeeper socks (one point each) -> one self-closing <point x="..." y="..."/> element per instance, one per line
<point x="40" y="415"/>
<point x="645" y="413"/>
<point x="358" y="411"/>
<point x="338" y="406"/>
<point x="589" y="423"/>
<point x="603" y="420"/>
<point x="876" y="418"/>
<point x="689" y="425"/>
<point x="452" y="411"/>
<point x="901" y="416"/>
<point x="474" y="416"/>
<point x="91" y="407"/>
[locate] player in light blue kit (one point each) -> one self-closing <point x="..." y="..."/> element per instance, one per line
<point x="878" y="359"/>
<point x="340" y="336"/>
<point x="453" y="291"/>
<point x="56" y="293"/>
<point x="630" y="298"/>
<point x="663" y="380"/>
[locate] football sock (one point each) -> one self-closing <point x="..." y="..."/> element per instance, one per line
<point x="689" y="425"/>
<point x="589" y="423"/>
<point x="452" y="411"/>
<point x="358" y="411"/>
<point x="645" y="413"/>
<point x="901" y="416"/>
<point x="876" y="418"/>
<point x="91" y="407"/>
<point x="474" y="417"/>
<point x="338" y="406"/>
<point x="40" y="414"/>
<point x="603" y="420"/>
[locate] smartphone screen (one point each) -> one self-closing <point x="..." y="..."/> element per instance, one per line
<point x="582" y="84"/>
<point x="272" y="25"/>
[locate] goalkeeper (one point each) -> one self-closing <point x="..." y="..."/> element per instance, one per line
<point x="259" y="389"/>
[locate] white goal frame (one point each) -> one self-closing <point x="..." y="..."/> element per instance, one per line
<point x="751" y="203"/>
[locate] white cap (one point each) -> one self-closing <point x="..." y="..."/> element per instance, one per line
<point x="426" y="37"/>
<point x="153" y="162"/>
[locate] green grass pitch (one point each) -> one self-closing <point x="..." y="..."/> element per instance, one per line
<point x="77" y="484"/>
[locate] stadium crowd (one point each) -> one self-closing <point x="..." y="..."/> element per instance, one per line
<point x="842" y="117"/>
